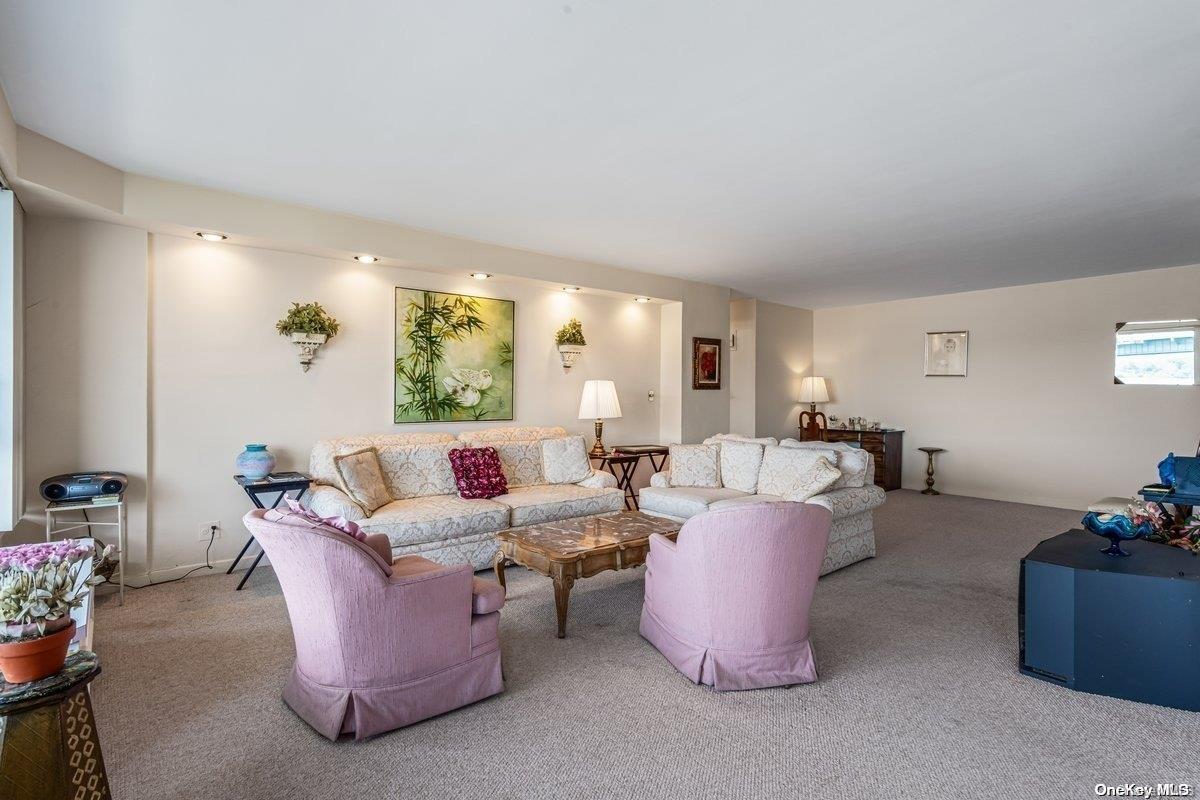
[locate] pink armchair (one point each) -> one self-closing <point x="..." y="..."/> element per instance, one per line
<point x="380" y="644"/>
<point x="727" y="603"/>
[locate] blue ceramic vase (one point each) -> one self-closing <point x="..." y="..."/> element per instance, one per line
<point x="255" y="461"/>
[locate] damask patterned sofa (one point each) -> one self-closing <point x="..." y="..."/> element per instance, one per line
<point x="852" y="501"/>
<point x="429" y="518"/>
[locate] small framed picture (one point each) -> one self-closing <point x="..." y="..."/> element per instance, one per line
<point x="706" y="363"/>
<point x="946" y="354"/>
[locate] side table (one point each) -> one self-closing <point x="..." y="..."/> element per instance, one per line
<point x="626" y="458"/>
<point x="49" y="746"/>
<point x="281" y="482"/>
<point x="61" y="506"/>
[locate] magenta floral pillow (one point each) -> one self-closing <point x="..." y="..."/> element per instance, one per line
<point x="477" y="472"/>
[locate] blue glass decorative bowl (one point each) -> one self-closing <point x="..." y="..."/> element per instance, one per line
<point x="1115" y="528"/>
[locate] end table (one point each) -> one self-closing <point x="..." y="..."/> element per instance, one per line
<point x="281" y="482"/>
<point x="49" y="746"/>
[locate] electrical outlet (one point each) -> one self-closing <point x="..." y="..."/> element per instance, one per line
<point x="206" y="530"/>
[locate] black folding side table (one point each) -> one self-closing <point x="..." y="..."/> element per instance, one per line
<point x="281" y="482"/>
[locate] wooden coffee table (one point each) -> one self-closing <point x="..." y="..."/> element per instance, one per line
<point x="571" y="549"/>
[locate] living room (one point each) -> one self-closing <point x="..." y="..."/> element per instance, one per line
<point x="668" y="308"/>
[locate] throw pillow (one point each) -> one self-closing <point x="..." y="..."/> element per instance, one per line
<point x="362" y="479"/>
<point x="340" y="524"/>
<point x="696" y="465"/>
<point x="522" y="462"/>
<point x="795" y="473"/>
<point x="477" y="472"/>
<point x="737" y="437"/>
<point x="854" y="462"/>
<point x="740" y="462"/>
<point x="565" y="460"/>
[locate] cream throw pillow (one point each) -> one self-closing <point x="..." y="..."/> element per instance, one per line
<point x="795" y="473"/>
<point x="521" y="462"/>
<point x="854" y="462"/>
<point x="565" y="460"/>
<point x="740" y="462"/>
<point x="696" y="465"/>
<point x="362" y="479"/>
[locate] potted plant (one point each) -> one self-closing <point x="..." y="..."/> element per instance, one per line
<point x="39" y="586"/>
<point x="309" y="326"/>
<point x="570" y="342"/>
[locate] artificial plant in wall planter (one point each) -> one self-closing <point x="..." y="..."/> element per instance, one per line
<point x="570" y="342"/>
<point x="309" y="326"/>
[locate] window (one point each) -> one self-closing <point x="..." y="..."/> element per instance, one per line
<point x="1159" y="353"/>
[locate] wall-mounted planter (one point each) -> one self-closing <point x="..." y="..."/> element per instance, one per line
<point x="570" y="353"/>
<point x="308" y="343"/>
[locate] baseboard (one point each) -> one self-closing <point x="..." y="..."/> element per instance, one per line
<point x="163" y="575"/>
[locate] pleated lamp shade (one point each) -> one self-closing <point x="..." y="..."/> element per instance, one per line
<point x="599" y="401"/>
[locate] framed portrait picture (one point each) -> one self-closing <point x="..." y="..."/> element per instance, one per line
<point x="946" y="354"/>
<point x="706" y="363"/>
<point x="453" y="358"/>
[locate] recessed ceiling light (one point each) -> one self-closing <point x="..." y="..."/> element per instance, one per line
<point x="481" y="276"/>
<point x="366" y="259"/>
<point x="211" y="236"/>
<point x="571" y="289"/>
<point x="641" y="299"/>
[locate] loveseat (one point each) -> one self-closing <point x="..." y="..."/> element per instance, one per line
<point x="740" y="468"/>
<point x="427" y="516"/>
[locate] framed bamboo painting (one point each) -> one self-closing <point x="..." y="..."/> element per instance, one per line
<point x="453" y="357"/>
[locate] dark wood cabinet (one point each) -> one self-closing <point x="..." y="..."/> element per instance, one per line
<point x="886" y="447"/>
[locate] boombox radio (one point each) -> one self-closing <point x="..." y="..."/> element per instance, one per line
<point x="83" y="485"/>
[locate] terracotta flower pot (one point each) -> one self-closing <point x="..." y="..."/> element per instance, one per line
<point x="34" y="659"/>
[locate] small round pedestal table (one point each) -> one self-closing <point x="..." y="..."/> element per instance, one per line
<point x="929" y="451"/>
<point x="49" y="748"/>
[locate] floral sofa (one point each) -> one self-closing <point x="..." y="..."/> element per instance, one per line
<point x="427" y="517"/>
<point x="852" y="499"/>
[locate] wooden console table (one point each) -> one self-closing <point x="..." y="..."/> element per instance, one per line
<point x="885" y="446"/>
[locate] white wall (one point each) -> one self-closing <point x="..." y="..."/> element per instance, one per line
<point x="741" y="366"/>
<point x="774" y="353"/>
<point x="12" y="303"/>
<point x="222" y="377"/>
<point x="86" y="351"/>
<point x="705" y="315"/>
<point x="670" y="380"/>
<point x="783" y="345"/>
<point x="1038" y="418"/>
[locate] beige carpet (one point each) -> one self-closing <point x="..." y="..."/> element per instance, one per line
<point x="919" y="694"/>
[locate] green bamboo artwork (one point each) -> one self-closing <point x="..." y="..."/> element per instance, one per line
<point x="454" y="357"/>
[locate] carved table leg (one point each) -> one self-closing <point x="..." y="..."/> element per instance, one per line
<point x="562" y="594"/>
<point x="498" y="564"/>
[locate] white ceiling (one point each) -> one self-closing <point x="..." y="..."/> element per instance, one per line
<point x="809" y="153"/>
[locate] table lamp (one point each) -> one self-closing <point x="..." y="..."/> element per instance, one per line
<point x="813" y="391"/>
<point x="813" y="425"/>
<point x="599" y="402"/>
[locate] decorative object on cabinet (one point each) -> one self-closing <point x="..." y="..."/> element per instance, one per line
<point x="570" y="342"/>
<point x="309" y="326"/>
<point x="255" y="462"/>
<point x="929" y="453"/>
<point x="946" y="354"/>
<point x="280" y="482"/>
<point x="885" y="446"/>
<point x="706" y="363"/>
<point x="453" y="358"/>
<point x="1116" y="528"/>
<point x="813" y="390"/>
<point x="599" y="402"/>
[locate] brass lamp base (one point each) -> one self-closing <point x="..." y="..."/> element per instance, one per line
<point x="598" y="449"/>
